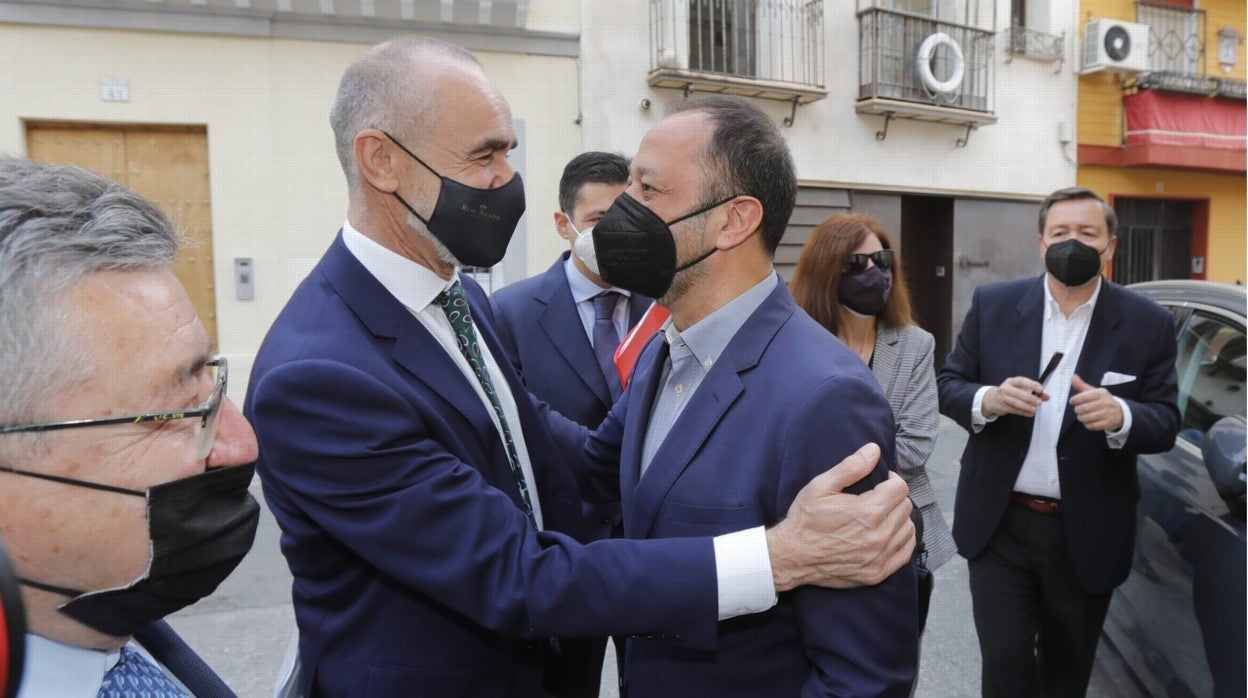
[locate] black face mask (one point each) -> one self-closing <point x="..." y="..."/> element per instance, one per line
<point x="1072" y="262"/>
<point x="636" y="249"/>
<point x="201" y="527"/>
<point x="476" y="225"/>
<point x="866" y="292"/>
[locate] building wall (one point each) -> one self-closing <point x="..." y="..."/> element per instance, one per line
<point x="278" y="194"/>
<point x="1100" y="94"/>
<point x="1226" y="256"/>
<point x="1019" y="156"/>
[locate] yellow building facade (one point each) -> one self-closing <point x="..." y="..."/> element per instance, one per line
<point x="1166" y="145"/>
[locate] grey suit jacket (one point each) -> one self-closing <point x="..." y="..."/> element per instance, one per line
<point x="903" y="364"/>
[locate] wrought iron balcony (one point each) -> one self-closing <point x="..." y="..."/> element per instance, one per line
<point x="760" y="48"/>
<point x="1036" y="45"/>
<point x="918" y="67"/>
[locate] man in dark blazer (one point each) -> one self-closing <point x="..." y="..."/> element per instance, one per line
<point x="738" y="403"/>
<point x="561" y="327"/>
<point x="123" y="467"/>
<point x="548" y="323"/>
<point x="1046" y="497"/>
<point x="429" y="513"/>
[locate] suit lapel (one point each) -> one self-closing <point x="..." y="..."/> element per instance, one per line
<point x="637" y="307"/>
<point x="887" y="353"/>
<point x="561" y="322"/>
<point x="721" y="388"/>
<point x="641" y="393"/>
<point x="1025" y="331"/>
<point x="415" y="349"/>
<point x="1100" y="346"/>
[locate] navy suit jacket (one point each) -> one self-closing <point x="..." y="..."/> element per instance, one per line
<point x="415" y="569"/>
<point x="1000" y="338"/>
<point x="785" y="401"/>
<point x="541" y="331"/>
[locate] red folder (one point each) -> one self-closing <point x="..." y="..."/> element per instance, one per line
<point x="626" y="354"/>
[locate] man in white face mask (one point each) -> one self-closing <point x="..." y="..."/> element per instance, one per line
<point x="561" y="327"/>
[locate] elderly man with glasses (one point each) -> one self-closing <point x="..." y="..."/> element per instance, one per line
<point x="119" y="501"/>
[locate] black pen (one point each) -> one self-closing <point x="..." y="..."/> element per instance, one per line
<point x="1048" y="370"/>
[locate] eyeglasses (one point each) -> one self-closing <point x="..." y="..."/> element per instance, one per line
<point x="857" y="263"/>
<point x="208" y="414"/>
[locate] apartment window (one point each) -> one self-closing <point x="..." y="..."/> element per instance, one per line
<point x="721" y="36"/>
<point x="1177" y="41"/>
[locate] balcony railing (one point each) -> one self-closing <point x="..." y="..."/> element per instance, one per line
<point x="1177" y="41"/>
<point x="763" y="48"/>
<point x="912" y="58"/>
<point x="1036" y="45"/>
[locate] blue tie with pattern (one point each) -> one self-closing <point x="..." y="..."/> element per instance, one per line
<point x="606" y="340"/>
<point x="455" y="305"/>
<point x="133" y="675"/>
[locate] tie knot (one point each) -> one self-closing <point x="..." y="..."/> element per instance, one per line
<point x="454" y="303"/>
<point x="604" y="303"/>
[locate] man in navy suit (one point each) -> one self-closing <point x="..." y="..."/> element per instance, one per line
<point x="123" y="467"/>
<point x="1047" y="493"/>
<point x="430" y="508"/>
<point x="561" y="327"/>
<point x="739" y="401"/>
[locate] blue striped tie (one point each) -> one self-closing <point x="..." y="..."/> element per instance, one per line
<point x="606" y="339"/>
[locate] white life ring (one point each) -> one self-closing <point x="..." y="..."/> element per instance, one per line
<point x="924" y="60"/>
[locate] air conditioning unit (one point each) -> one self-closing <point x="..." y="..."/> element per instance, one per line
<point x="1111" y="44"/>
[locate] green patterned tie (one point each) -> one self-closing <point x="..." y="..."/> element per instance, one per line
<point x="455" y="305"/>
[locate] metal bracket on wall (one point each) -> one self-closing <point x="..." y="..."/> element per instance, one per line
<point x="788" y="120"/>
<point x="961" y="142"/>
<point x="888" y="116"/>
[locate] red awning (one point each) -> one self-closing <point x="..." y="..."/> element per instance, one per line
<point x="1173" y="118"/>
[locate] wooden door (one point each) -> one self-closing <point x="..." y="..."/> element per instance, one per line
<point x="167" y="165"/>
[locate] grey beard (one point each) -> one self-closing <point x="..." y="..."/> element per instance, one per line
<point x="444" y="254"/>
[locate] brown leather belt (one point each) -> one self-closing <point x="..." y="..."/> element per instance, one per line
<point x="1039" y="505"/>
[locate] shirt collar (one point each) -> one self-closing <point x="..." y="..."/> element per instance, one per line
<point x="582" y="288"/>
<point x="64" y="669"/>
<point x="1051" y="307"/>
<point x="414" y="285"/>
<point x="708" y="338"/>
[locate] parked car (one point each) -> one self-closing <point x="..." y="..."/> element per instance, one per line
<point x="1176" y="627"/>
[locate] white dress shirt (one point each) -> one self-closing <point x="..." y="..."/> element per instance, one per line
<point x="416" y="287"/>
<point x="1039" y="474"/>
<point x="55" y="670"/>
<point x="742" y="562"/>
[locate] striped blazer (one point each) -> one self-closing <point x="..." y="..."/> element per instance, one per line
<point x="903" y="364"/>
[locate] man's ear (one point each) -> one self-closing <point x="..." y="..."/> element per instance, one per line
<point x="742" y="219"/>
<point x="561" y="225"/>
<point x="374" y="162"/>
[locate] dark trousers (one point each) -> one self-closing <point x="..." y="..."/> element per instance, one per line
<point x="1038" y="629"/>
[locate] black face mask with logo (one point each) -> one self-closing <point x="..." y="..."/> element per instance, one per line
<point x="1072" y="262"/>
<point x="476" y="225"/>
<point x="636" y="250"/>
<point x="200" y="528"/>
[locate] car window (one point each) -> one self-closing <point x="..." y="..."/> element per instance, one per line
<point x="1211" y="370"/>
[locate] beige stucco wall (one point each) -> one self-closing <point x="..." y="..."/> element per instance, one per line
<point x="278" y="194"/>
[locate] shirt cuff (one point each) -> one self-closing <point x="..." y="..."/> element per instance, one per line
<point x="743" y="570"/>
<point x="978" y="420"/>
<point x="1118" y="439"/>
